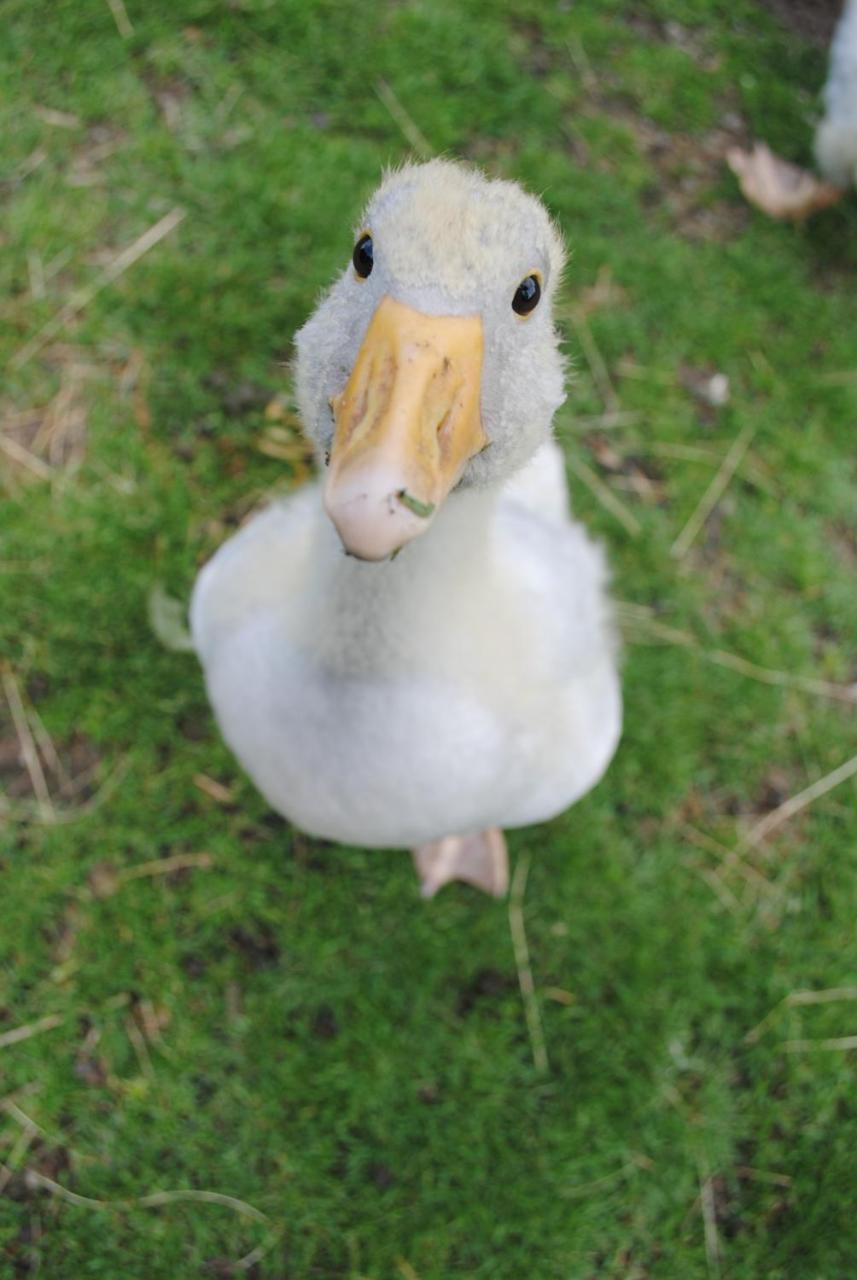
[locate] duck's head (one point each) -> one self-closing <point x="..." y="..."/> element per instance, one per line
<point x="432" y="361"/>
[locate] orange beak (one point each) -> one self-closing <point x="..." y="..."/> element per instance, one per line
<point x="407" y="423"/>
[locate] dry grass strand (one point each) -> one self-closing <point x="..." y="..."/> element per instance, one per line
<point x="120" y="17"/>
<point x="787" y="810"/>
<point x="708" y="1208"/>
<point x="825" y="995"/>
<point x="411" y="131"/>
<point x="155" y="1200"/>
<point x="714" y="492"/>
<point x="604" y="495"/>
<point x="29" y="751"/>
<point x="640" y="627"/>
<point x="843" y="1044"/>
<point x="522" y="963"/>
<point x="17" y="1034"/>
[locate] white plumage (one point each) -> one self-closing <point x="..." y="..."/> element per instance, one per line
<point x="469" y="682"/>
<point x="836" y="137"/>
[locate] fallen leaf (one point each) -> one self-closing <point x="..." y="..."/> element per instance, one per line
<point x="777" y="187"/>
<point x="167" y="620"/>
<point x="216" y="790"/>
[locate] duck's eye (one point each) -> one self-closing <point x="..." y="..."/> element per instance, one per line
<point x="363" y="256"/>
<point x="527" y="296"/>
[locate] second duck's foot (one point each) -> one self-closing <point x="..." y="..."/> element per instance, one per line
<point x="480" y="860"/>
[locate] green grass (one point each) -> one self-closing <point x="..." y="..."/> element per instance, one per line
<point x="350" y="1062"/>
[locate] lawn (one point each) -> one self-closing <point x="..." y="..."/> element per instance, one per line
<point x="227" y="1049"/>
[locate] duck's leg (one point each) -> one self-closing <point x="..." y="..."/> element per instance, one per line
<point x="480" y="859"/>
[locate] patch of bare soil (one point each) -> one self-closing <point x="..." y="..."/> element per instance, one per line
<point x="843" y="539"/>
<point x="691" y="40"/>
<point x="688" y="167"/>
<point x="813" y="20"/>
<point x="631" y="472"/>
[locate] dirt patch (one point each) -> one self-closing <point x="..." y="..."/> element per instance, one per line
<point x="633" y="473"/>
<point x="256" y="944"/>
<point x="483" y="990"/>
<point x="812" y="20"/>
<point x="529" y="45"/>
<point x="101" y="143"/>
<point x="843" y="539"/>
<point x="688" y="166"/>
<point x="170" y="95"/>
<point x="237" y="397"/>
<point x="324" y="1023"/>
<point x="690" y="40"/>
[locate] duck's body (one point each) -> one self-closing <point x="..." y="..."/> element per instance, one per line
<point x="428" y="698"/>
<point x="467" y="684"/>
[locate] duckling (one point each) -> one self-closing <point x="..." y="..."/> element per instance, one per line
<point x="417" y="649"/>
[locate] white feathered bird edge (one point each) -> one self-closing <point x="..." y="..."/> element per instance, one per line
<point x="836" y="137"/>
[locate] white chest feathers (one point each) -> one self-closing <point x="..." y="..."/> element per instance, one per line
<point x="470" y="683"/>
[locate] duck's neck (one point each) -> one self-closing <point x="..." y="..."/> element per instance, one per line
<point x="460" y="531"/>
<point x="368" y="612"/>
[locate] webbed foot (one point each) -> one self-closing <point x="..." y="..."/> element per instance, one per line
<point x="480" y="860"/>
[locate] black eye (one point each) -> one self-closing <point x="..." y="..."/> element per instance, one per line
<point x="527" y="296"/>
<point x="363" y="256"/>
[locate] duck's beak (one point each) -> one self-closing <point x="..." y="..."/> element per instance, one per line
<point x="407" y="423"/>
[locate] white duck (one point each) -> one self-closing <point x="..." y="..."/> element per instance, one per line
<point x="426" y="699"/>
<point x="784" y="190"/>
<point x="836" y="136"/>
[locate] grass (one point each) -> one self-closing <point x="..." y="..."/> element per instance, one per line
<point x="286" y="1023"/>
